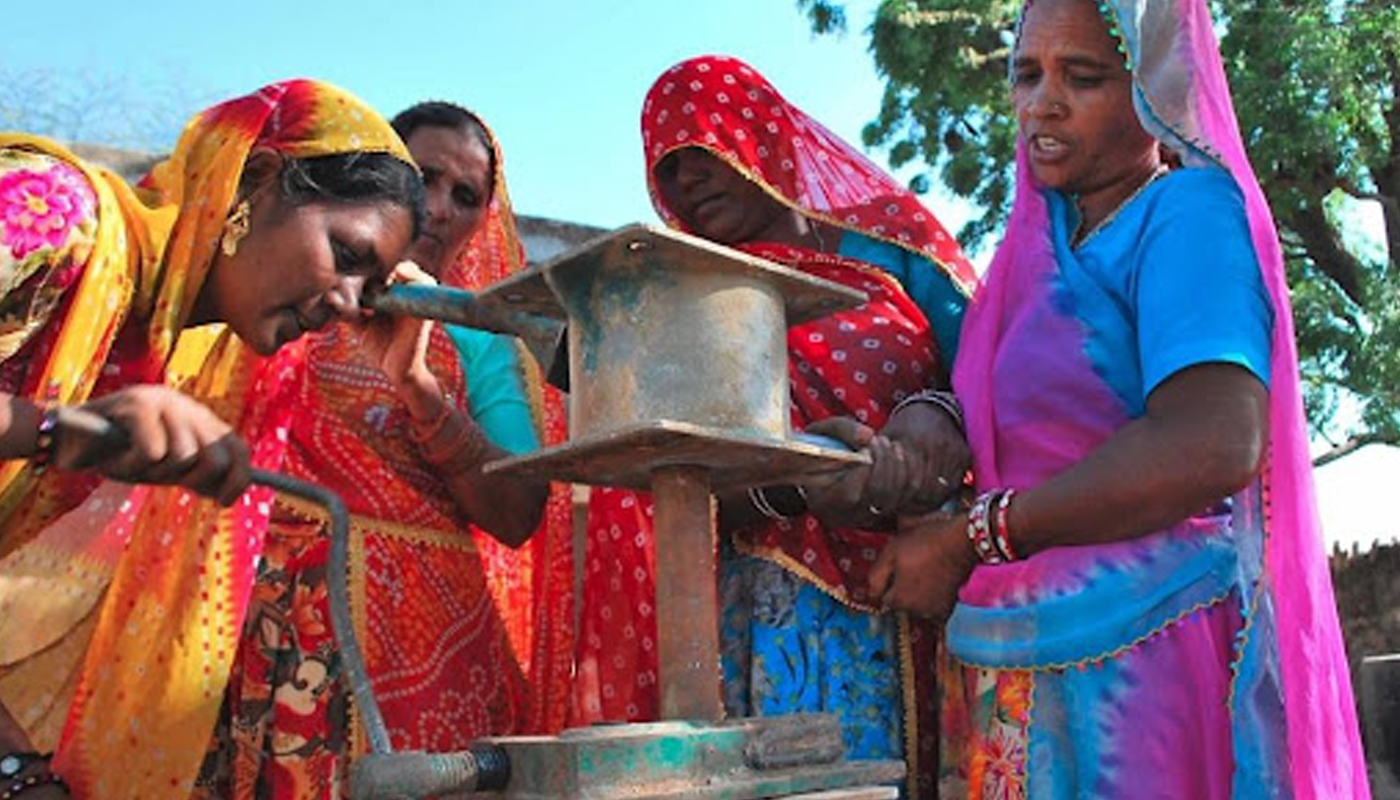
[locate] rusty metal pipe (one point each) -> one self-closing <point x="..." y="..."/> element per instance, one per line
<point x="687" y="607"/>
<point x="541" y="335"/>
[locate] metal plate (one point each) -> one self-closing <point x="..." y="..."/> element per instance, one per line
<point x="805" y="297"/>
<point x="627" y="457"/>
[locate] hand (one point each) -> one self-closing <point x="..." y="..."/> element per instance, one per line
<point x="938" y="457"/>
<point x="398" y="346"/>
<point x="169" y="438"/>
<point x="863" y="496"/>
<point x="924" y="566"/>
<point x="836" y="498"/>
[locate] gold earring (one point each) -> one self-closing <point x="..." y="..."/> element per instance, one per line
<point x="235" y="228"/>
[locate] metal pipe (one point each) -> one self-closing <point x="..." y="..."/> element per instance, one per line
<point x="687" y="602"/>
<point x="541" y="335"/>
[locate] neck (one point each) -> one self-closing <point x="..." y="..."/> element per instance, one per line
<point x="794" y="229"/>
<point x="1098" y="207"/>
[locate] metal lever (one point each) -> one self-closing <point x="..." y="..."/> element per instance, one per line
<point x="114" y="437"/>
<point x="542" y="336"/>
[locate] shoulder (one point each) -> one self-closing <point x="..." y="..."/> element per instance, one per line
<point x="1199" y="193"/>
<point x="48" y="215"/>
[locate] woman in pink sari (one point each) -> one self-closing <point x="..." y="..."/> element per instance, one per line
<point x="1139" y="595"/>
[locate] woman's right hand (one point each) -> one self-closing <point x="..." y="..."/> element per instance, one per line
<point x="169" y="438"/>
<point x="866" y="495"/>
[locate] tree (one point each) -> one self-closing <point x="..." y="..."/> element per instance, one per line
<point x="1316" y="85"/>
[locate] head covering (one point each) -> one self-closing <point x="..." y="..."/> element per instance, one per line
<point x="156" y="663"/>
<point x="723" y="105"/>
<point x="1182" y="98"/>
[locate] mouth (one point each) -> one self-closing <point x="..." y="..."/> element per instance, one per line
<point x="706" y="206"/>
<point x="1044" y="147"/>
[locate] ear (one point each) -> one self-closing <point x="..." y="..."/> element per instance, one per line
<point x="260" y="171"/>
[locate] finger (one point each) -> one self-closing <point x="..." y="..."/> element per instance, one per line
<point x="208" y="475"/>
<point x="888" y="474"/>
<point x="147" y="447"/>
<point x="409" y="272"/>
<point x="845" y="429"/>
<point x="881" y="577"/>
<point x="239" y="474"/>
<point x="182" y="452"/>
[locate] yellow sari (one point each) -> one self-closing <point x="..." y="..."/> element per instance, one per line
<point x="120" y="614"/>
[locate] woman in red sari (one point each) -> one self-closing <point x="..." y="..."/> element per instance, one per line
<point x="731" y="160"/>
<point x="464" y="636"/>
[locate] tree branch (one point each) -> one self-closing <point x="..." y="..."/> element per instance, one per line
<point x="1325" y="248"/>
<point x="1352" y="445"/>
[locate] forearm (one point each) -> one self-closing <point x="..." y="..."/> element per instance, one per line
<point x="19" y="426"/>
<point x="1202" y="444"/>
<point x="508" y="508"/>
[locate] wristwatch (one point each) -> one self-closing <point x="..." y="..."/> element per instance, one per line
<point x="12" y="764"/>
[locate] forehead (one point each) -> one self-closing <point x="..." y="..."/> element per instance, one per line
<point x="451" y="150"/>
<point x="1064" y="27"/>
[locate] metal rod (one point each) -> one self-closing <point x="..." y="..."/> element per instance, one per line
<point x="338" y="595"/>
<point x="687" y="603"/>
<point x="541" y="335"/>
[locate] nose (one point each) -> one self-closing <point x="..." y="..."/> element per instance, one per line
<point x="439" y="201"/>
<point x="692" y="168"/>
<point x="344" y="297"/>
<point x="1046" y="100"/>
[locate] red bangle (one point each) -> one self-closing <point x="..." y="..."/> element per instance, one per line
<point x="45" y="437"/>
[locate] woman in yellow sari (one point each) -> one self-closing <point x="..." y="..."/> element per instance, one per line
<point x="120" y="605"/>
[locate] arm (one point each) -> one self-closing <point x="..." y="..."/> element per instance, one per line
<point x="506" y="507"/>
<point x="1201" y="440"/>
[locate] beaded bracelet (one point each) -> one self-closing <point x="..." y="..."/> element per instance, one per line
<point x="988" y="528"/>
<point x="45" y="438"/>
<point x="944" y="400"/>
<point x="25" y="784"/>
<point x="1001" y="531"/>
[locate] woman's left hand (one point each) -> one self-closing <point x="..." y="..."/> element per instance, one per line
<point x="924" y="566"/>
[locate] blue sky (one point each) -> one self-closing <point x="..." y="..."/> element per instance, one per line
<point x="561" y="82"/>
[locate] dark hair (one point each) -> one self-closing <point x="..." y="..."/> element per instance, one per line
<point x="442" y="114"/>
<point x="355" y="178"/>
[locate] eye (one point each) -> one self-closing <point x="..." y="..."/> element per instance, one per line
<point x="349" y="262"/>
<point x="1086" y="81"/>
<point x="667" y="169"/>
<point x="1025" y="76"/>
<point x="466" y="197"/>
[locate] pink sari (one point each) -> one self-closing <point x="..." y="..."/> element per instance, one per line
<point x="1262" y="578"/>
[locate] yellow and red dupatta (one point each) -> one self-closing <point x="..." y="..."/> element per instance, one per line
<point x="152" y="661"/>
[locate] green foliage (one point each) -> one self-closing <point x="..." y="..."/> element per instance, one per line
<point x="1315" y="84"/>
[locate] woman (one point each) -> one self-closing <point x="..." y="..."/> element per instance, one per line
<point x="730" y="160"/>
<point x="1144" y="609"/>
<point x="120" y="605"/>
<point x="464" y="636"/>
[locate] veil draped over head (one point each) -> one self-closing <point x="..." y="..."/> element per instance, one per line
<point x="1182" y="98"/>
<point x="723" y="105"/>
<point x="159" y="581"/>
